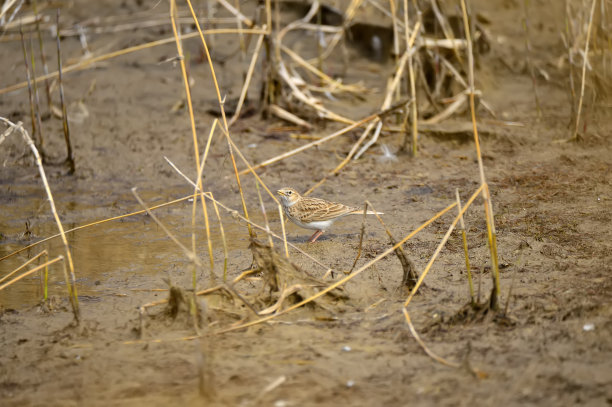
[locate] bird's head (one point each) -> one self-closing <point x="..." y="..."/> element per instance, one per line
<point x="289" y="196"/>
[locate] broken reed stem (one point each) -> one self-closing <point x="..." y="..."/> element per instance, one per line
<point x="190" y="255"/>
<point x="44" y="252"/>
<point x="222" y="231"/>
<point x="69" y="155"/>
<point x="97" y="223"/>
<point x="343" y="280"/>
<point x="441" y="245"/>
<point x="363" y="222"/>
<point x="71" y="287"/>
<point x="410" y="275"/>
<point x="429" y="352"/>
<point x="334" y="84"/>
<point x="194" y="134"/>
<point x="34" y="270"/>
<point x="340" y="132"/>
<point x="86" y="63"/>
<point x="584" y="64"/>
<point x="465" y="248"/>
<point x="487" y="197"/>
<point x="263" y="212"/>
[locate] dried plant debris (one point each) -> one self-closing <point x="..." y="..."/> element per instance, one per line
<point x="286" y="282"/>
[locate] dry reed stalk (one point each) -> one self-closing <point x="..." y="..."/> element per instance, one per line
<point x="235" y="214"/>
<point x="43" y="57"/>
<point x="343" y="280"/>
<point x="441" y="244"/>
<point x="179" y="48"/>
<point x="281" y="215"/>
<point x="413" y="105"/>
<point x="281" y="113"/>
<point x="188" y="253"/>
<point x="207" y="225"/>
<point x="96" y="223"/>
<point x="410" y="275"/>
<point x="33" y="113"/>
<point x="394" y="23"/>
<point x="232" y="10"/>
<point x="459" y="101"/>
<point x="86" y="63"/>
<point x="34" y="270"/>
<point x="71" y="287"/>
<point x="46" y="279"/>
<point x="66" y="127"/>
<point x="138" y="25"/>
<point x="399" y="71"/>
<point x="225" y="126"/>
<point x="222" y="231"/>
<point x="584" y="64"/>
<point x="465" y="248"/>
<point x="298" y="93"/>
<point x="247" y="80"/>
<point x="263" y="212"/>
<point x="30" y="261"/>
<point x="349" y="15"/>
<point x="252" y="171"/>
<point x="487" y="197"/>
<point x="241" y="40"/>
<point x="429" y="352"/>
<point x="41" y="137"/>
<point x="363" y="222"/>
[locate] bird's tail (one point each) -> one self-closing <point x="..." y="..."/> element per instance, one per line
<point x="360" y="212"/>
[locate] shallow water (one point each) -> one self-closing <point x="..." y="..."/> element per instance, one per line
<point x="134" y="245"/>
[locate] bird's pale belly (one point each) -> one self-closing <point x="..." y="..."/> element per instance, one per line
<point x="316" y="225"/>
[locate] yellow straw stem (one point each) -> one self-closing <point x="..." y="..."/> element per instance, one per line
<point x="34" y="270"/>
<point x="441" y="245"/>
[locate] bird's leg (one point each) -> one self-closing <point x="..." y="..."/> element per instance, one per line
<point x="315" y="236"/>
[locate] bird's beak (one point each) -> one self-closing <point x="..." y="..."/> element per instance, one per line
<point x="279" y="192"/>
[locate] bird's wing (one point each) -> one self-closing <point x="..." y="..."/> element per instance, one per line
<point x="315" y="209"/>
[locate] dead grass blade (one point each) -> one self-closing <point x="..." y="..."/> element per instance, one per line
<point x="30" y="261"/>
<point x="34" y="270"/>
<point x="465" y="248"/>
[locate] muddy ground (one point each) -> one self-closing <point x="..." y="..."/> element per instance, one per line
<point x="552" y="204"/>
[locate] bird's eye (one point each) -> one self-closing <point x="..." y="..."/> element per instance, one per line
<point x="289" y="192"/>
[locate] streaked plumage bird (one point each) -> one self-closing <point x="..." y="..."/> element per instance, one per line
<point x="314" y="213"/>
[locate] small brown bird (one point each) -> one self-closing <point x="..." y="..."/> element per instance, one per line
<point x="314" y="213"/>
